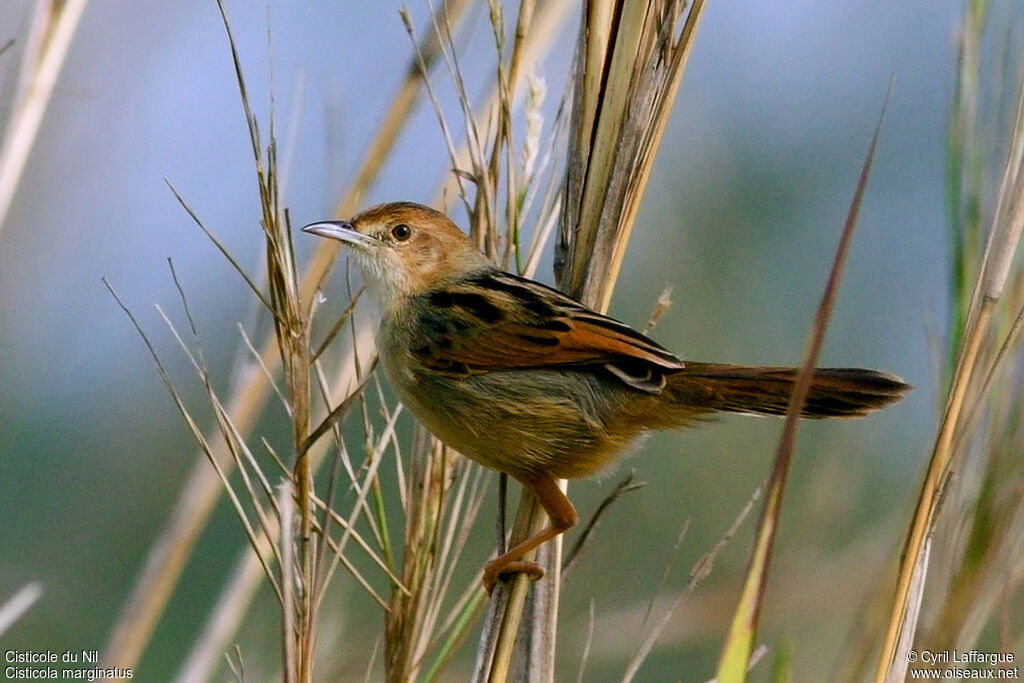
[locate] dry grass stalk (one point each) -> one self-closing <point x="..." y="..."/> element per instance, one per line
<point x="486" y="158"/>
<point x="292" y="333"/>
<point x="248" y="399"/>
<point x="736" y="657"/>
<point x="439" y="511"/>
<point x="432" y="474"/>
<point x="973" y="519"/>
<point x="503" y="620"/>
<point x="624" y="88"/>
<point x="18" y="604"/>
<point x="698" y="572"/>
<point x="51" y="30"/>
<point x="624" y="95"/>
<point x="548" y="20"/>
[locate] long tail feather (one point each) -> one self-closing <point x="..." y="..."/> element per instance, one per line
<point x="835" y="392"/>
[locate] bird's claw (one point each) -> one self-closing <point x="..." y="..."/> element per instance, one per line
<point x="494" y="572"/>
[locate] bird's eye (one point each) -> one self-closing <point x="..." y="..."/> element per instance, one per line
<point x="401" y="232"/>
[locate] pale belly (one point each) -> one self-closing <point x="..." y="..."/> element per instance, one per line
<point x="518" y="421"/>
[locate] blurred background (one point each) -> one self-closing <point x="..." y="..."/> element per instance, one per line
<point x="741" y="218"/>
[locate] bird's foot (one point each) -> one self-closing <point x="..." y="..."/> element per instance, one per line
<point x="496" y="569"/>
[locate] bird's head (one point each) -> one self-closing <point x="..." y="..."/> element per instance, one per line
<point x="404" y="249"/>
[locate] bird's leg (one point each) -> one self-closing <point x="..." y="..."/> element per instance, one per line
<point x="561" y="517"/>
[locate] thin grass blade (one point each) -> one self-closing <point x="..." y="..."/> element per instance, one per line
<point x="739" y="643"/>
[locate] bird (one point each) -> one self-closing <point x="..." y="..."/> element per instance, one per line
<point x="529" y="382"/>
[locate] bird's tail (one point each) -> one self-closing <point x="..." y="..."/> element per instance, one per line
<point x="701" y="388"/>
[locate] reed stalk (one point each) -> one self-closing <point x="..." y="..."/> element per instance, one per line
<point x="629" y="62"/>
<point x="978" y="440"/>
<point x="50" y="33"/>
<point x="248" y="400"/>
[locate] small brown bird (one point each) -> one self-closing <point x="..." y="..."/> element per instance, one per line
<point x="526" y="381"/>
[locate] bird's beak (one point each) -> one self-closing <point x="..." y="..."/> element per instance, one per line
<point x="339" y="230"/>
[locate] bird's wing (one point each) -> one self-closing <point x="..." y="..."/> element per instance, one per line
<point x="499" y="321"/>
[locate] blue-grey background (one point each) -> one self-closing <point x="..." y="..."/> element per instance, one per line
<point x="743" y="212"/>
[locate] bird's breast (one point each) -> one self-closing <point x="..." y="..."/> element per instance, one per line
<point x="516" y="421"/>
